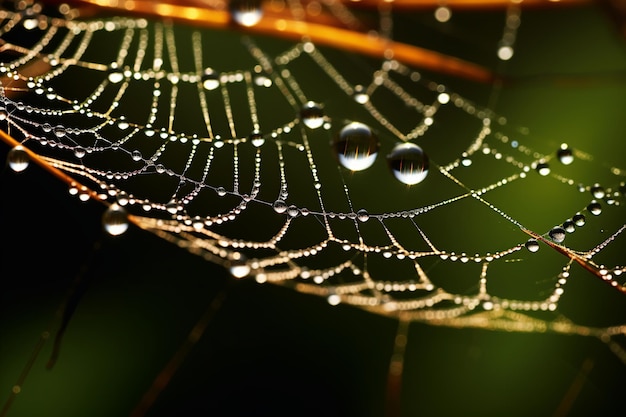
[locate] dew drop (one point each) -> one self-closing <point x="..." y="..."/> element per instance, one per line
<point x="443" y="14"/>
<point x="565" y="155"/>
<point x="356" y="146"/>
<point x="532" y="245"/>
<point x="220" y="191"/>
<point x="594" y="208"/>
<point x="256" y="138"/>
<point x="360" y="94"/>
<point x="122" y="198"/>
<point x="569" y="226"/>
<point x="408" y="163"/>
<point x="557" y="234"/>
<point x="443" y="98"/>
<point x="18" y="159"/>
<point x="597" y="191"/>
<point x="543" y="169"/>
<point x="239" y="268"/>
<point x="136" y="155"/>
<point x="333" y="299"/>
<point x="3" y="114"/>
<point x="312" y="115"/>
<point x="362" y="215"/>
<point x="115" y="75"/>
<point x="115" y="220"/>
<point x="246" y="12"/>
<point x="210" y="79"/>
<point x="79" y="152"/>
<point x="505" y="52"/>
<point x="280" y="206"/>
<point x="579" y="220"/>
<point x="59" y="131"/>
<point x="172" y="207"/>
<point x="292" y="211"/>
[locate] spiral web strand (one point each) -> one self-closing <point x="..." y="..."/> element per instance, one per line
<point x="243" y="164"/>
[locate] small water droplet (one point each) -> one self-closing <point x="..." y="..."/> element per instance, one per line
<point x="239" y="268"/>
<point x="594" y="208"/>
<point x="115" y="220"/>
<point x="443" y="98"/>
<point x="565" y="155"/>
<point x="115" y="75"/>
<point x="256" y="138"/>
<point x="59" y="131"/>
<point x="557" y="234"/>
<point x="312" y="115"/>
<point x="356" y="146"/>
<point x="246" y="12"/>
<point x="160" y="168"/>
<point x="532" y="245"/>
<point x="360" y="94"/>
<point x="597" y="191"/>
<point x="172" y="207"/>
<point x="543" y="169"/>
<point x="79" y="152"/>
<point x="3" y="113"/>
<point x="443" y="14"/>
<point x="408" y="163"/>
<point x="18" y="159"/>
<point x="362" y="215"/>
<point x="122" y="198"/>
<point x="333" y="299"/>
<point x="136" y="155"/>
<point x="293" y="211"/>
<point x="569" y="226"/>
<point x="280" y="206"/>
<point x="579" y="220"/>
<point x="221" y="191"/>
<point x="210" y="79"/>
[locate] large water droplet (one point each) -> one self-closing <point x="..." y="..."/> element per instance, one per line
<point x="18" y="159"/>
<point x="532" y="245"/>
<point x="408" y="163"/>
<point x="246" y="12"/>
<point x="210" y="79"/>
<point x="565" y="155"/>
<point x="356" y="146"/>
<point x="115" y="220"/>
<point x="312" y="115"/>
<point x="557" y="234"/>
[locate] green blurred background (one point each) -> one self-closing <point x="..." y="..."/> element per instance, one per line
<point x="270" y="351"/>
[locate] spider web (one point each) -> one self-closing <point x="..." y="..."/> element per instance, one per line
<point x="294" y="164"/>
